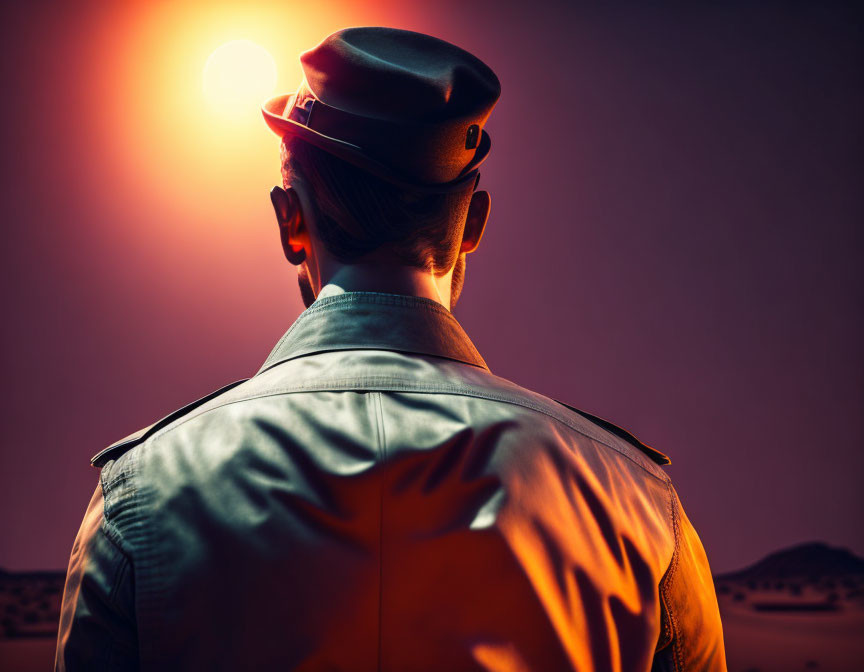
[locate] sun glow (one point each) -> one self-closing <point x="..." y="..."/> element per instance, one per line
<point x="190" y="130"/>
<point x="238" y="75"/>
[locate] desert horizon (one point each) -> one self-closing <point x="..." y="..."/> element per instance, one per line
<point x="799" y="608"/>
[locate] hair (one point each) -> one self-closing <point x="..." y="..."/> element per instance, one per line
<point x="357" y="212"/>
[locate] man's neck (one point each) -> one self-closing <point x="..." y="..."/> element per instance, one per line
<point x="388" y="278"/>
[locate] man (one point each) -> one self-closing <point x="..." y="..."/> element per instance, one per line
<point x="374" y="498"/>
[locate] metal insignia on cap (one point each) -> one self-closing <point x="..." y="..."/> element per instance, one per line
<point x="301" y="111"/>
<point x="472" y="136"/>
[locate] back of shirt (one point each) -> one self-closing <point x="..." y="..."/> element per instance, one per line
<point x="363" y="508"/>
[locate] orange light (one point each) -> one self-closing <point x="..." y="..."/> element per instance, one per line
<point x="177" y="114"/>
<point x="238" y="75"/>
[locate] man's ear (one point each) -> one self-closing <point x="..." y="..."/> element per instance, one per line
<point x="289" y="216"/>
<point x="475" y="222"/>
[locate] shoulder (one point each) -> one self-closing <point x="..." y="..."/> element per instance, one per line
<point x="591" y="426"/>
<point x="655" y="455"/>
<point x="611" y="436"/>
<point x="121" y="447"/>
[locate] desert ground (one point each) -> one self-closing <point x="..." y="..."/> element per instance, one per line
<point x="800" y="609"/>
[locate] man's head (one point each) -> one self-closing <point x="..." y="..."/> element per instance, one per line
<point x="337" y="213"/>
<point x="381" y="146"/>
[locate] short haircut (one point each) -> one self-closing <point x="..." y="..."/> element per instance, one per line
<point x="357" y="212"/>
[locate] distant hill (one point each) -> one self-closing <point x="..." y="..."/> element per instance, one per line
<point x="815" y="560"/>
<point x="30" y="604"/>
<point x="801" y="608"/>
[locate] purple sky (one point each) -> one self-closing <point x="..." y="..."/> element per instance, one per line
<point x="675" y="245"/>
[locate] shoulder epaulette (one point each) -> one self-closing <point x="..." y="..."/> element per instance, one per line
<point x="653" y="453"/>
<point x="115" y="450"/>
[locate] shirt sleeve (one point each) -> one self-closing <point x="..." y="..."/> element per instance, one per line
<point x="97" y="617"/>
<point x="691" y="612"/>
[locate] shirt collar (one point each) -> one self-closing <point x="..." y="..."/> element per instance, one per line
<point x="376" y="321"/>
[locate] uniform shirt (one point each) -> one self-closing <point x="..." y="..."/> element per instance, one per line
<point x="374" y="498"/>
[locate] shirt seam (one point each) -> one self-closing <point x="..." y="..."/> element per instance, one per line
<point x="413" y="387"/>
<point x="124" y="566"/>
<point x="109" y="525"/>
<point x="381" y="298"/>
<point x="480" y="363"/>
<point x="677" y="644"/>
<point x="382" y="444"/>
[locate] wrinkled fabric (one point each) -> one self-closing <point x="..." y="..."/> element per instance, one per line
<point x="374" y="498"/>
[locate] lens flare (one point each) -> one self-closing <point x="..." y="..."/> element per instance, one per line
<point x="238" y="75"/>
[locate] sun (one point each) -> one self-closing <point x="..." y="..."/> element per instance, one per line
<point x="238" y="75"/>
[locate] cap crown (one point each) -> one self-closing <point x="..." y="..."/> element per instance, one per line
<point x="400" y="75"/>
<point x="406" y="106"/>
